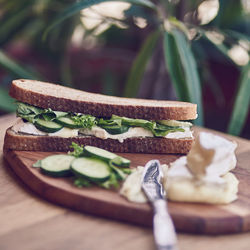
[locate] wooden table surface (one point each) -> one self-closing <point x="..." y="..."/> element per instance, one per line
<point x="29" y="223"/>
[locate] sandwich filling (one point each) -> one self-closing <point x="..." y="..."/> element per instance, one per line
<point x="42" y="122"/>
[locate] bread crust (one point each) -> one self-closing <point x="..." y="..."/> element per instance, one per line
<point x="17" y="141"/>
<point x="59" y="98"/>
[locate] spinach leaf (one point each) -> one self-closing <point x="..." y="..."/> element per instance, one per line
<point x="27" y="109"/>
<point x="112" y="122"/>
<point x="134" y="122"/>
<point x="161" y="130"/>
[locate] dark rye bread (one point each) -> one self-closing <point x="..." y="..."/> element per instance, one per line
<point x="16" y="141"/>
<point x="59" y="98"/>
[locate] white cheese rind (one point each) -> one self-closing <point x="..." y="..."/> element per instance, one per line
<point x="217" y="186"/>
<point x="214" y="184"/>
<point x="211" y="155"/>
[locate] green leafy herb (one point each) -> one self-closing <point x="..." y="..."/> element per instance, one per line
<point x="111" y="182"/>
<point x="85" y="121"/>
<point x="77" y="150"/>
<point x="80" y="182"/>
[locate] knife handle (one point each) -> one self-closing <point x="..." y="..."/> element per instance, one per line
<point x="164" y="232"/>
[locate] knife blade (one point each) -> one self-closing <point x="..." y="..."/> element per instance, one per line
<point x="164" y="232"/>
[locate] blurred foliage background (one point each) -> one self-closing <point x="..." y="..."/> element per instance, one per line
<point x="195" y="51"/>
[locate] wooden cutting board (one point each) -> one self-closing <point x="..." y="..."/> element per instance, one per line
<point x="187" y="217"/>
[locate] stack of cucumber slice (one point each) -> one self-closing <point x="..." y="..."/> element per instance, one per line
<point x="93" y="166"/>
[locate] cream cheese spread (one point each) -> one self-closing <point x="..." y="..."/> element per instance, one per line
<point x="29" y="128"/>
<point x="65" y="132"/>
<point x="133" y="132"/>
<point x="131" y="188"/>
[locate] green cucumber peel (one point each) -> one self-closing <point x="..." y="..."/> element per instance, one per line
<point x="37" y="164"/>
<point x="119" y="173"/>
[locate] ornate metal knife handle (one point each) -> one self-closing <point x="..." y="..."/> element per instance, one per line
<point x="164" y="232"/>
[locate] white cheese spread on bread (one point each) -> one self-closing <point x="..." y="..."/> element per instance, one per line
<point x="29" y="128"/>
<point x="133" y="132"/>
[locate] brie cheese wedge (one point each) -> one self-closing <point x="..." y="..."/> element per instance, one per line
<point x="203" y="175"/>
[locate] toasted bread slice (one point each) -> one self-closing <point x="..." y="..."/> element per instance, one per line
<point x="16" y="141"/>
<point x="56" y="97"/>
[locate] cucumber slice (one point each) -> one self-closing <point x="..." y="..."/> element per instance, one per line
<point x="120" y="174"/>
<point x="91" y="169"/>
<point x="47" y="126"/>
<point x="115" y="130"/>
<point x="57" y="165"/>
<point x="105" y="155"/>
<point x="67" y="122"/>
<point x="174" y="123"/>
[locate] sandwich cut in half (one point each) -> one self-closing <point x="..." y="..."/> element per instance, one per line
<point x="51" y="117"/>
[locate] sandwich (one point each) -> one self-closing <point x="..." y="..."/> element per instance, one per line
<point x="51" y="117"/>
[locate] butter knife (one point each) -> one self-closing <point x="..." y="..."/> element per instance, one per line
<point x="164" y="232"/>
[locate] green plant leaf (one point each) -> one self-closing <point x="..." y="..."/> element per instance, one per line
<point x="83" y="4"/>
<point x="14" y="68"/>
<point x="174" y="67"/>
<point x="6" y="102"/>
<point x="139" y="65"/>
<point x="220" y="46"/>
<point x="13" y="23"/>
<point x="241" y="104"/>
<point x="190" y="72"/>
<point x="238" y="35"/>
